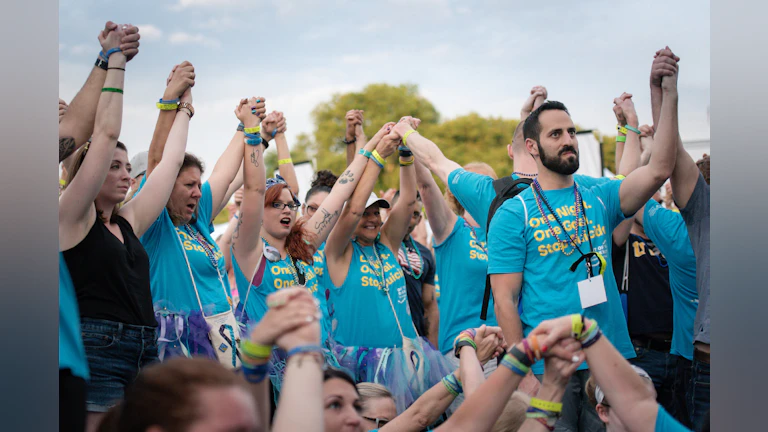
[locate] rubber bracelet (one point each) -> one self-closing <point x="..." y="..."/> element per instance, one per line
<point x="304" y="349"/>
<point x="461" y="344"/>
<point x="174" y="101"/>
<point x="112" y="51"/>
<point x="577" y="325"/>
<point x="590" y="342"/>
<point x="406" y="164"/>
<point x="619" y="177"/>
<point x="621" y="129"/>
<point x="167" y="106"/>
<point x="255" y="374"/>
<point x="103" y="56"/>
<point x="116" y="68"/>
<point x="373" y="159"/>
<point x="365" y="153"/>
<point x="621" y="138"/>
<point x="112" y="90"/>
<point x="253" y="141"/>
<point x="274" y="132"/>
<point x="255" y="350"/>
<point x="512" y="364"/>
<point x="554" y="407"/>
<point x="407" y="134"/>
<point x="240" y="127"/>
<point x="284" y="161"/>
<point x="520" y="356"/>
<point x="378" y="158"/>
<point x="632" y="128"/>
<point x="252" y="135"/>
<point x="100" y="62"/>
<point x="535" y="346"/>
<point x="252" y="130"/>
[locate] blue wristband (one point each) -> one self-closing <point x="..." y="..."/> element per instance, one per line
<point x="274" y="132"/>
<point x="112" y="51"/>
<point x="304" y="349"/>
<point x="254" y="136"/>
<point x="253" y="142"/>
<point x="255" y="374"/>
<point x="168" y="101"/>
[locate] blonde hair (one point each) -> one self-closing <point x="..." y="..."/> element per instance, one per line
<point x="474" y="167"/>
<point x="370" y="391"/>
<point x="590" y="387"/>
<point x="513" y="416"/>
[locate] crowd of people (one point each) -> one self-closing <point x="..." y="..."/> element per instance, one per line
<point x="541" y="300"/>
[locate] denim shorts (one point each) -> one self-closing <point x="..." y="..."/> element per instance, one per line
<point x="116" y="352"/>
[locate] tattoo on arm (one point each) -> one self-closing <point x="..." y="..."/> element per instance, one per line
<point x="66" y="147"/>
<point x="255" y="154"/>
<point x="236" y="233"/>
<point x="347" y="177"/>
<point x="327" y="219"/>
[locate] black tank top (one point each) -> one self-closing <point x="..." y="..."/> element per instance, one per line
<point x="111" y="278"/>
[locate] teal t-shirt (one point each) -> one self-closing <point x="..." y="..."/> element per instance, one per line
<point x="462" y="263"/>
<point x="71" y="350"/>
<point x="277" y="275"/>
<point x="520" y="241"/>
<point x="363" y="313"/>
<point x="171" y="283"/>
<point x="668" y="231"/>
<point x="667" y="423"/>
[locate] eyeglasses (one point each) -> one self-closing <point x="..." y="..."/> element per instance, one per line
<point x="379" y="422"/>
<point x="311" y="210"/>
<point x="279" y="205"/>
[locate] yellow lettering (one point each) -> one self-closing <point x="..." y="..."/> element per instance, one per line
<point x="539" y="235"/>
<point x="639" y="249"/>
<point x="472" y="254"/>
<point x="275" y="270"/>
<point x="543" y="250"/>
<point x="534" y="223"/>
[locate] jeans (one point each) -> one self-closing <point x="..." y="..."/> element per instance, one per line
<point x="578" y="414"/>
<point x="698" y="393"/>
<point x="116" y="353"/>
<point x="665" y="372"/>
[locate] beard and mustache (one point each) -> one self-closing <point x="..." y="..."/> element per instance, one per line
<point x="556" y="163"/>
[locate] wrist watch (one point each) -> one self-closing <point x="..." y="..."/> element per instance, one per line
<point x="188" y="106"/>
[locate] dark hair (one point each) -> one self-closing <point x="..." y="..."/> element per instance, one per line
<point x="191" y="160"/>
<point x="77" y="161"/>
<point x="397" y="196"/>
<point x="331" y="373"/>
<point x="703" y="165"/>
<point x="532" y="126"/>
<point x="295" y="243"/>
<point x="323" y="182"/>
<point x="165" y="395"/>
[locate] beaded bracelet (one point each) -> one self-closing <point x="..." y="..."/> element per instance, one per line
<point x="452" y="384"/>
<point x="255" y="350"/>
<point x="255" y="374"/>
<point x="365" y="153"/>
<point x="284" y="161"/>
<point x="304" y="349"/>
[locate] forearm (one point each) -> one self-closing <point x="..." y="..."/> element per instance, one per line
<point x="424" y="412"/>
<point x="159" y="138"/>
<point x="351" y="151"/>
<point x="287" y="170"/>
<point x="630" y="158"/>
<point x="432" y="314"/>
<point x="77" y="125"/>
<point x="428" y="153"/>
<point x="300" y="407"/>
<point x="509" y="319"/>
<point x="236" y="184"/>
<point x="656" y="98"/>
<point x="228" y="165"/>
<point x="441" y="218"/>
<point x="398" y="220"/>
<point x="472" y="375"/>
<point x="662" y="161"/>
<point x="225" y="243"/>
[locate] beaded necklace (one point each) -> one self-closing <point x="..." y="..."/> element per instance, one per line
<point x="522" y="174"/>
<point x="538" y="194"/>
<point x="204" y="244"/>
<point x="477" y="239"/>
<point x="379" y="273"/>
<point x="405" y="248"/>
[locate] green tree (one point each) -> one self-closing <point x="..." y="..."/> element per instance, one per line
<point x="301" y="151"/>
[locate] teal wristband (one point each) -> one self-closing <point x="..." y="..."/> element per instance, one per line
<point x="365" y="153"/>
<point x="633" y="129"/>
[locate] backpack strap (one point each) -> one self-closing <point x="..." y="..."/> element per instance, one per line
<point x="506" y="188"/>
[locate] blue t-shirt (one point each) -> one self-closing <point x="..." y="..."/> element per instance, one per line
<point x="277" y="275"/>
<point x="667" y="423"/>
<point x="71" y="350"/>
<point x="170" y="277"/>
<point x="363" y="314"/>
<point x="668" y="231"/>
<point x="462" y="262"/>
<point x="520" y="242"/>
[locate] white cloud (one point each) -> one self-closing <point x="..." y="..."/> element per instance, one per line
<point x="181" y="38"/>
<point x="375" y="26"/>
<point x="149" y="32"/>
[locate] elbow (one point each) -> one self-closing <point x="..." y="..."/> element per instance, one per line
<point x="255" y="189"/>
<point x="108" y="133"/>
<point x="421" y="417"/>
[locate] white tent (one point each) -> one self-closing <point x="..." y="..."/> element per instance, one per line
<point x="590" y="154"/>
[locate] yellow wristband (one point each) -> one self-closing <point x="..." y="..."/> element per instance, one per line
<point x="284" y="161"/>
<point x="378" y="157"/>
<point x="547" y="405"/>
<point x="619" y="177"/>
<point x="407" y="134"/>
<point x="252" y="130"/>
<point x="576" y="325"/>
<point x="621" y="129"/>
<point x="254" y="350"/>
<point x="167" y="106"/>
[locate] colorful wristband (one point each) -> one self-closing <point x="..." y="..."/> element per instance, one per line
<point x="284" y="161"/>
<point x="577" y="325"/>
<point x="304" y="349"/>
<point x="632" y="128"/>
<point x="253" y="130"/>
<point x="407" y="134"/>
<point x="514" y="365"/>
<point x="255" y="350"/>
<point x="621" y="138"/>
<point x="553" y="407"/>
<point x="240" y="127"/>
<point x="378" y="158"/>
<point x="365" y="153"/>
<point x="167" y="106"/>
<point x="452" y="384"/>
<point x="112" y="51"/>
<point x="621" y="129"/>
<point x="373" y="159"/>
<point x="253" y="141"/>
<point x="255" y="374"/>
<point x="112" y="90"/>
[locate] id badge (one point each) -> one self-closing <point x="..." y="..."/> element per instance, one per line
<point x="592" y="292"/>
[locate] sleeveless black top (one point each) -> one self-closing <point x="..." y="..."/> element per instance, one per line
<point x="111" y="278"/>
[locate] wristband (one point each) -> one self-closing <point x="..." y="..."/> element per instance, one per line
<point x="407" y="134"/>
<point x="166" y="106"/>
<point x="378" y="158"/>
<point x="187" y="111"/>
<point x="172" y="101"/>
<point x="253" y="141"/>
<point x="621" y="129"/>
<point x="365" y="153"/>
<point x="404" y="162"/>
<point x="528" y="351"/>
<point x="619" y="177"/>
<point x="253" y="130"/>
<point x="257" y="351"/>
<point x="373" y="159"/>
<point x="274" y="132"/>
<point x="255" y="374"/>
<point x="588" y="343"/>
<point x="284" y="161"/>
<point x="304" y="349"/>
<point x="535" y="346"/>
<point x="553" y="407"/>
<point x="240" y="127"/>
<point x="116" y="68"/>
<point x="452" y="384"/>
<point x="112" y="51"/>
<point x="520" y="356"/>
<point x="100" y="62"/>
<point x="349" y="142"/>
<point x="577" y="325"/>
<point x="251" y="135"/>
<point x="632" y="128"/>
<point x="621" y="138"/>
<point x="461" y="344"/>
<point x="112" y="90"/>
<point x="514" y="365"/>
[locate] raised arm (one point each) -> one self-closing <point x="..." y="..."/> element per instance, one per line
<point x="284" y="161"/>
<point x="76" y="208"/>
<point x="627" y="154"/>
<point x="338" y="239"/>
<point x="642" y="183"/>
<point x="246" y="239"/>
<point x="354" y="137"/>
<point x="396" y="227"/>
<point x="663" y="65"/>
<point x="76" y="127"/>
<point x="441" y="218"/>
<point x="182" y="77"/>
<point x="429" y="154"/>
<point x="144" y="208"/>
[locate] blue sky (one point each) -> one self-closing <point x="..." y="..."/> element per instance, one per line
<point x="465" y="56"/>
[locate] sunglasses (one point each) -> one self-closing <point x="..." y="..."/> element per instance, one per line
<point x="379" y="422"/>
<point x="280" y="206"/>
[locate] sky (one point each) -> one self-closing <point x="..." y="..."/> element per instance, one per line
<point x="465" y="57"/>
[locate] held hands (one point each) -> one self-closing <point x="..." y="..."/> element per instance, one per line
<point x="374" y="142"/>
<point x="664" y="65"/>
<point x="181" y="79"/>
<point x="354" y="124"/>
<point x="129" y="44"/>
<point x="111" y="36"/>
<point x="274" y="121"/>
<point x="624" y="109"/>
<point x="291" y="320"/>
<point x="246" y="108"/>
<point x="63" y="107"/>
<point x="537" y="97"/>
<point x="557" y="371"/>
<point x="490" y="343"/>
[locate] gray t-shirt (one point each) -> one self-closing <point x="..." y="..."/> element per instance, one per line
<point x="696" y="217"/>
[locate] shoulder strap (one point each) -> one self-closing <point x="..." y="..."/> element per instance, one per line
<point x="506" y="188"/>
